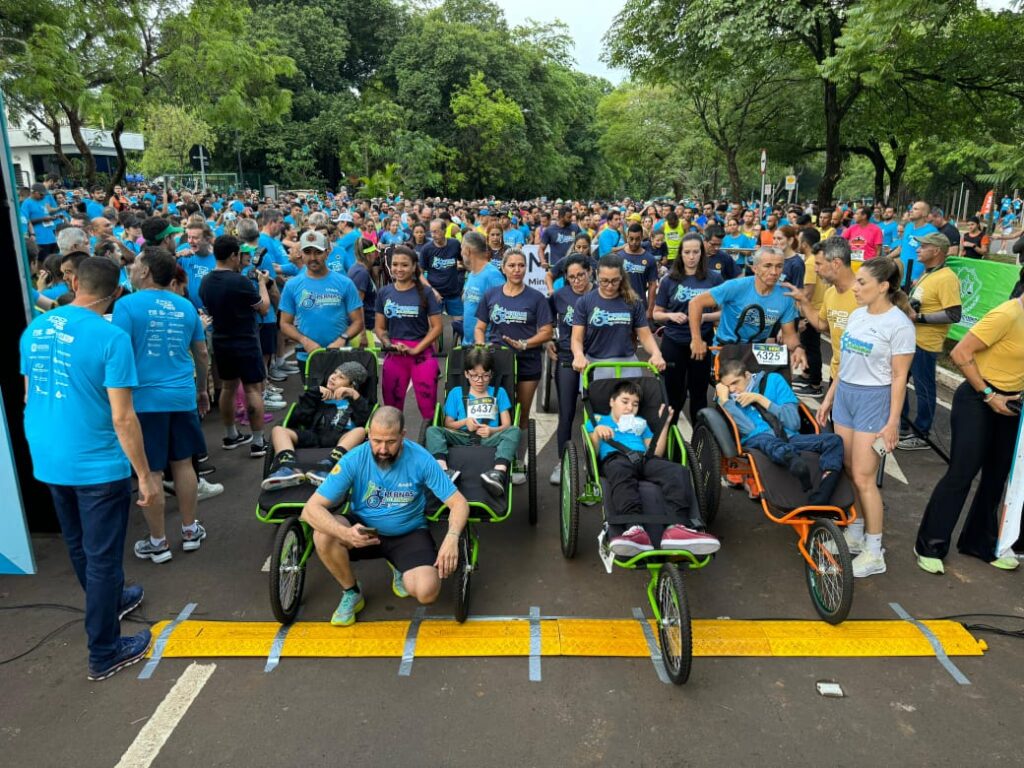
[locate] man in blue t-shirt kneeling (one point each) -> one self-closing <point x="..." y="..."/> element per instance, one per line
<point x="385" y="479"/>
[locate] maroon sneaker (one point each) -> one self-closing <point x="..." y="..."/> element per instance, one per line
<point x="694" y="542"/>
<point x="633" y="542"/>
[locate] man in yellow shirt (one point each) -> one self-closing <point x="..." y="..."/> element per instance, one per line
<point x="984" y="422"/>
<point x="810" y="337"/>
<point x="831" y="264"/>
<point x="935" y="299"/>
<point x="825" y="228"/>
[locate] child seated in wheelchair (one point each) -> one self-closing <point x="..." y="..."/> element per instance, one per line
<point x="622" y="439"/>
<point x="480" y="414"/>
<point x="333" y="415"/>
<point x="765" y="411"/>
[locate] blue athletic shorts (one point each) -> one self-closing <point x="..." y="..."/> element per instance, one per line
<point x="861" y="408"/>
<point x="171" y="436"/>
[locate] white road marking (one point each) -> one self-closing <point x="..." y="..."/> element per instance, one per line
<point x="547" y="428"/>
<point x="266" y="565"/>
<point x="165" y="719"/>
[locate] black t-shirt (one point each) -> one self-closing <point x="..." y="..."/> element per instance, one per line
<point x="971" y="243"/>
<point x="951" y="232"/>
<point x="724" y="264"/>
<point x="230" y="297"/>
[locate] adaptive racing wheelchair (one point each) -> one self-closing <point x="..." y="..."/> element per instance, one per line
<point x="582" y="484"/>
<point x="718" y="452"/>
<point x="473" y="460"/>
<point x="293" y="542"/>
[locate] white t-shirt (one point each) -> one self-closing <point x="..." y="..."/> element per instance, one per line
<point x="868" y="344"/>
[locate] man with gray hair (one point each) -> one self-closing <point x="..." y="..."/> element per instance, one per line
<point x="481" y="276"/>
<point x="947" y="228"/>
<point x="72" y="240"/>
<point x="754" y="309"/>
<point x="386" y="479"/>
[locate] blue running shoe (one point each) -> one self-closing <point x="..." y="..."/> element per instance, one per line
<point x="397" y="585"/>
<point x="284" y="476"/>
<point x="130" y="650"/>
<point x="131" y="598"/>
<point x="352" y="602"/>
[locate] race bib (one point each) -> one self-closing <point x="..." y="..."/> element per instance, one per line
<point x="771" y="354"/>
<point x="857" y="255"/>
<point x="483" y="409"/>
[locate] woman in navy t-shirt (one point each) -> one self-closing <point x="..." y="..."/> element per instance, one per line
<point x="577" y="271"/>
<point x="606" y="320"/>
<point x="408" y="321"/>
<point x="360" y="274"/>
<point x="518" y="316"/>
<point x="688" y="277"/>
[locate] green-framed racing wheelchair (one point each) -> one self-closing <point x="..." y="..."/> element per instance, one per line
<point x="293" y="542"/>
<point x="582" y="484"/>
<point x="474" y="459"/>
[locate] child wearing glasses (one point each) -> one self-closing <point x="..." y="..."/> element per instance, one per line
<point x="478" y="414"/>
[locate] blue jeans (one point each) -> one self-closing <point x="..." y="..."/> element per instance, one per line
<point x="922" y="372"/>
<point x="94" y="521"/>
<point x="828" y="445"/>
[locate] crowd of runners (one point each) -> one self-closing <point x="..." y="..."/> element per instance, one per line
<point x="156" y="309"/>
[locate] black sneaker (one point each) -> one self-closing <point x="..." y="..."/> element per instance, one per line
<point x="806" y="388"/>
<point x="494" y="481"/>
<point x="257" y="451"/>
<point x="205" y="470"/>
<point x="130" y="650"/>
<point x="230" y="443"/>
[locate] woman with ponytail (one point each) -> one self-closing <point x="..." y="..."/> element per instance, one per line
<point x="866" y="398"/>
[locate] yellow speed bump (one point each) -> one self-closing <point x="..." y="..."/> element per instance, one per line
<point x="565" y="637"/>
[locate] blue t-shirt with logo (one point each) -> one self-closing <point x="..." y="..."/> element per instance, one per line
<point x="910" y="243"/>
<point x="642" y="269"/>
<point x="441" y="264"/>
<point x="343" y="255"/>
<point x="196" y="268"/>
<point x="485" y="410"/>
<point x="276" y="254"/>
<point x="473" y="291"/>
<point x="162" y="326"/>
<point x="890" y="231"/>
<point x="609" y="325"/>
<point x="608" y="240"/>
<point x="321" y="306"/>
<point x="391" y="500"/>
<point x="558" y="241"/>
<point x="405" y="315"/>
<point x="71" y="356"/>
<point x="674" y="296"/>
<point x="36" y="209"/>
<point x="563" y="307"/>
<point x="630" y="435"/>
<point x="734" y="296"/>
<point x="513" y="237"/>
<point x="519" y="317"/>
<point x="738" y="241"/>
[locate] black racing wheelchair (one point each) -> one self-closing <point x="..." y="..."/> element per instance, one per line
<point x="293" y="542"/>
<point x="582" y="484"/>
<point x="474" y="459"/>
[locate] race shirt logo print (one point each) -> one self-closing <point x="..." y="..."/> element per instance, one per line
<point x="311" y="300"/>
<point x="377" y="497"/>
<point x="855" y="346"/>
<point x="502" y="316"/>
<point x="394" y="309"/>
<point x="602" y="317"/>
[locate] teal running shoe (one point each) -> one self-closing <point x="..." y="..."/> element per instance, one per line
<point x="352" y="602"/>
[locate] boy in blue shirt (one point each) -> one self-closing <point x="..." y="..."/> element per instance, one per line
<point x="621" y="439"/>
<point x="478" y="414"/>
<point x="764" y="409"/>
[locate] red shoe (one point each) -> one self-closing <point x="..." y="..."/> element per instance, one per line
<point x="694" y="542"/>
<point x="633" y="542"/>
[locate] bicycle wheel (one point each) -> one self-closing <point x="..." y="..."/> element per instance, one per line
<point x="570" y="501"/>
<point x="674" y="630"/>
<point x="547" y="383"/>
<point x="708" y="457"/>
<point x="287" y="573"/>
<point x="831" y="586"/>
<point x="463" y="577"/>
<point x="531" y="469"/>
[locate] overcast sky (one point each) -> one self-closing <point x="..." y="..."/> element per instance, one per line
<point x="588" y="20"/>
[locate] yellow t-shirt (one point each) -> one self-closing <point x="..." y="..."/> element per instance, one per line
<point x="826" y="233"/>
<point x="837" y="308"/>
<point x="811" y="278"/>
<point x="1001" y="363"/>
<point x="936" y="291"/>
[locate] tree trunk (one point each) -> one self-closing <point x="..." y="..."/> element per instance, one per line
<point x="878" y="163"/>
<point x="733" y="167"/>
<point x="833" y="150"/>
<point x="122" y="161"/>
<point x="896" y="174"/>
<point x="53" y="124"/>
<point x="89" y="161"/>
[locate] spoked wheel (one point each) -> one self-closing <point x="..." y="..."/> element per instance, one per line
<point x="674" y="631"/>
<point x="708" y="457"/>
<point x="531" y="469"/>
<point x="547" y="383"/>
<point x="463" y="577"/>
<point x="447" y="340"/>
<point x="570" y="501"/>
<point x="287" y="573"/>
<point x="831" y="586"/>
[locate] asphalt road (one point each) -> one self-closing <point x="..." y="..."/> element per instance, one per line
<point x="485" y="711"/>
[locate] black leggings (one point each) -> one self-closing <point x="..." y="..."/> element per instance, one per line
<point x="810" y="339"/>
<point x="686" y="376"/>
<point x="624" y="490"/>
<point x="567" y="381"/>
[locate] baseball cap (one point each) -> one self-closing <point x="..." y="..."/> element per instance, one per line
<point x="485" y="211"/>
<point x="934" y="238"/>
<point x="313" y="239"/>
<point x="40" y="188"/>
<point x="344" y="216"/>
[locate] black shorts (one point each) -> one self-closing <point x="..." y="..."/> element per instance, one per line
<point x="245" y="365"/>
<point x="268" y="338"/>
<point x="308" y="438"/>
<point x="528" y="365"/>
<point x="171" y="436"/>
<point x="406" y="552"/>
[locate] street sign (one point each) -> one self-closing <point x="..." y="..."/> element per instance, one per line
<point x="767" y="190"/>
<point x="764" y="162"/>
<point x="791" y="182"/>
<point x="199" y="156"/>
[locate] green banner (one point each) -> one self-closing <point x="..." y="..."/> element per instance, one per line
<point x="983" y="285"/>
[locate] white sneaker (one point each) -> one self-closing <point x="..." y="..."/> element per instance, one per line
<point x="269" y="394"/>
<point x="274" y="405"/>
<point x="867" y="564"/>
<point x="556" y="475"/>
<point x="271" y="388"/>
<point x="208" y="490"/>
<point x="855" y="545"/>
<point x="518" y="478"/>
